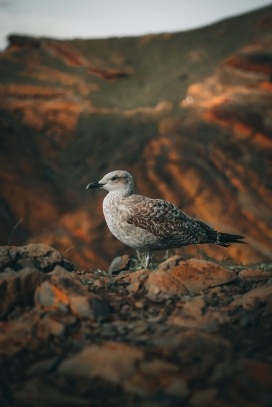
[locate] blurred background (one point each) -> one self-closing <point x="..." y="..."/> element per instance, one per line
<point x="178" y="93"/>
<point x="105" y="18"/>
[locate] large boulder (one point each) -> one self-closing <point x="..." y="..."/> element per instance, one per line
<point x="177" y="277"/>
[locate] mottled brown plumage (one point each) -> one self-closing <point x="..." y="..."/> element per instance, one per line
<point x="152" y="224"/>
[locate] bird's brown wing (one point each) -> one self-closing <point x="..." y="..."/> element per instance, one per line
<point x="163" y="219"/>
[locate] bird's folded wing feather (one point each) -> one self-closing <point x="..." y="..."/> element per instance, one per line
<point x="163" y="219"/>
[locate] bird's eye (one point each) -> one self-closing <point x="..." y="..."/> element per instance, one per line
<point x="114" y="178"/>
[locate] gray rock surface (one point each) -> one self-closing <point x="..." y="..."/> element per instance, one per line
<point x="39" y="256"/>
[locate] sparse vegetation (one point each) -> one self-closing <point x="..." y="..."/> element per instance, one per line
<point x="13" y="230"/>
<point x="139" y="262"/>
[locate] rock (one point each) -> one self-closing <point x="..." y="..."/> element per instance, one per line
<point x="255" y="274"/>
<point x="254" y="298"/>
<point x="257" y="373"/>
<point x="54" y="323"/>
<point x="178" y="277"/>
<point x="112" y="362"/>
<point x="18" y="288"/>
<point x="197" y="344"/>
<point x="67" y="265"/>
<point x="158" y="366"/>
<point x="194" y="315"/>
<point x="120" y="263"/>
<point x="156" y="374"/>
<point x="56" y="351"/>
<point x="39" y="256"/>
<point x="15" y="336"/>
<point x="136" y="280"/>
<point x="100" y="308"/>
<point x="204" y="397"/>
<point x="139" y="304"/>
<point x="5" y="259"/>
<point x="37" y="393"/>
<point x="43" y="366"/>
<point x="99" y="283"/>
<point x="54" y="327"/>
<point x="177" y="388"/>
<point x="64" y="291"/>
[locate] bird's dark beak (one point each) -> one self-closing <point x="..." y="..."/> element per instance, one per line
<point x="94" y="185"/>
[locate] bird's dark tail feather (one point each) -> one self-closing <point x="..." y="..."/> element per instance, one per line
<point x="221" y="239"/>
<point x="225" y="239"/>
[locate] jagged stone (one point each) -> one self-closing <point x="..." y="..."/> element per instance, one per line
<point x="136" y="280"/>
<point x="39" y="256"/>
<point x="120" y="263"/>
<point x="17" y="288"/>
<point x="64" y="291"/>
<point x="61" y="351"/>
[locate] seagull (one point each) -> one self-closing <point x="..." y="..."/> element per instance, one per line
<point x="147" y="224"/>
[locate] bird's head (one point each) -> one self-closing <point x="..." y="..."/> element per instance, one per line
<point x="120" y="181"/>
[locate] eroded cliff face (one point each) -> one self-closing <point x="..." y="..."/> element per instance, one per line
<point x="188" y="114"/>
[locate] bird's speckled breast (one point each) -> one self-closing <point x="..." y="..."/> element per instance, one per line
<point x="111" y="209"/>
<point x="115" y="212"/>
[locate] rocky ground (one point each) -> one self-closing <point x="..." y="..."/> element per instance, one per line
<point x="190" y="333"/>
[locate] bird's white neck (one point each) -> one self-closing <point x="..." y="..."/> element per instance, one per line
<point x="121" y="193"/>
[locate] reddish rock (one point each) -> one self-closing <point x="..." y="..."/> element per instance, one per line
<point x="15" y="336"/>
<point x="157" y="351"/>
<point x="255" y="274"/>
<point x="112" y="362"/>
<point x="256" y="297"/>
<point x="177" y="277"/>
<point x="17" y="288"/>
<point x="64" y="291"/>
<point x="99" y="283"/>
<point x="136" y="280"/>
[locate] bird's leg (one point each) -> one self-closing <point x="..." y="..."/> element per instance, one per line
<point x="147" y="259"/>
<point x="166" y="255"/>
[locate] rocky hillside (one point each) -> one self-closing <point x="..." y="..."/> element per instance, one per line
<point x="190" y="333"/>
<point x="188" y="114"/>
